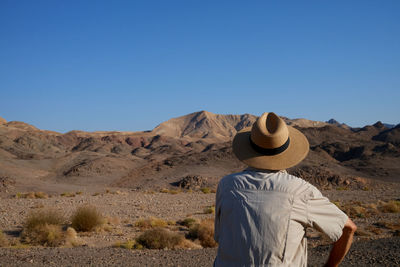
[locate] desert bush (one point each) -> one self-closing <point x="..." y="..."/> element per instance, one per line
<point x="188" y="222"/>
<point x="42" y="217"/>
<point x="160" y="238"/>
<point x="86" y="218"/>
<point x="130" y="244"/>
<point x="3" y="240"/>
<point x="40" y="195"/>
<point x="209" y="210"/>
<point x="392" y="206"/>
<point x="342" y="188"/>
<point x="31" y="195"/>
<point x="388" y="225"/>
<point x="362" y="232"/>
<point x="358" y="209"/>
<point x="150" y="223"/>
<point x="43" y="228"/>
<point x="206" y="190"/>
<point x="71" y="238"/>
<point x="374" y="230"/>
<point x="204" y="231"/>
<point x="170" y="191"/>
<point x="50" y="235"/>
<point x="68" y="194"/>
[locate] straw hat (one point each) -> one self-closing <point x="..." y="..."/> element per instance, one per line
<point x="270" y="144"/>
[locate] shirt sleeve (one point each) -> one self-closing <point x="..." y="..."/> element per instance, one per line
<point x="325" y="216"/>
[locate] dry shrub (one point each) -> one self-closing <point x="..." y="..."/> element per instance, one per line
<point x="204" y="231"/>
<point x="206" y="190"/>
<point x="170" y="191"/>
<point x="42" y="217"/>
<point x="188" y="244"/>
<point x="358" y="209"/>
<point x="209" y="210"/>
<point x="188" y="222"/>
<point x="68" y="194"/>
<point x="130" y="244"/>
<point x="43" y="228"/>
<point x="31" y="195"/>
<point x="374" y="230"/>
<point x="388" y="225"/>
<point x="362" y="232"/>
<point x="160" y="238"/>
<point x="392" y="206"/>
<point x="150" y="223"/>
<point x="71" y="238"/>
<point x="41" y="195"/>
<point x="86" y="218"/>
<point x="50" y="235"/>
<point x="3" y="240"/>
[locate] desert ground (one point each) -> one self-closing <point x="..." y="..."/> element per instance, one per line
<point x="167" y="177"/>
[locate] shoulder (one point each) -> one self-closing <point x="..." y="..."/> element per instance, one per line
<point x="230" y="178"/>
<point x="295" y="185"/>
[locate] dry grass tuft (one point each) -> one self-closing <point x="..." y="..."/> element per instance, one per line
<point x="204" y="231"/>
<point x="71" y="238"/>
<point x="42" y="217"/>
<point x="150" y="223"/>
<point x="164" y="190"/>
<point x="160" y="238"/>
<point x="3" y="240"/>
<point x="32" y="195"/>
<point x="388" y="225"/>
<point x="205" y="190"/>
<point x="50" y="235"/>
<point x="170" y="191"/>
<point x="68" y="194"/>
<point x="43" y="228"/>
<point x="188" y="244"/>
<point x="392" y="206"/>
<point x="86" y="218"/>
<point x="188" y="222"/>
<point x="130" y="244"/>
<point x="209" y="210"/>
<point x="358" y="209"/>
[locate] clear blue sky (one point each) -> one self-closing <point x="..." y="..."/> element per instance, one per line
<point x="129" y="65"/>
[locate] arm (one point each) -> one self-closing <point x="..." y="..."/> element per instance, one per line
<point x="342" y="245"/>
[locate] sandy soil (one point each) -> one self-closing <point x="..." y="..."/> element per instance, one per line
<point x="124" y="207"/>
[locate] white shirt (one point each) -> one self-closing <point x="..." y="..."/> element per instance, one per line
<point x="261" y="217"/>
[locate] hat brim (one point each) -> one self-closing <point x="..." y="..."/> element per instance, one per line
<point x="297" y="150"/>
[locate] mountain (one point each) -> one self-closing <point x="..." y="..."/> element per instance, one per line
<point x="2" y="121"/>
<point x="194" y="145"/>
<point x="205" y="124"/>
<point x="336" y="123"/>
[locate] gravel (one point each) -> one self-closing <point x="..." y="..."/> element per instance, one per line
<point x="380" y="252"/>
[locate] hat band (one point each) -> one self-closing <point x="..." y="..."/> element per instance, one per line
<point x="270" y="151"/>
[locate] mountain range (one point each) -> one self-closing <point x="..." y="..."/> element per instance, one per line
<point x="195" y="146"/>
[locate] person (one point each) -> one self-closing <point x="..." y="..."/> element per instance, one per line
<point x="262" y="213"/>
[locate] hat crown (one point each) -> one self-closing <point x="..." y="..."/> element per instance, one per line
<point x="269" y="131"/>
